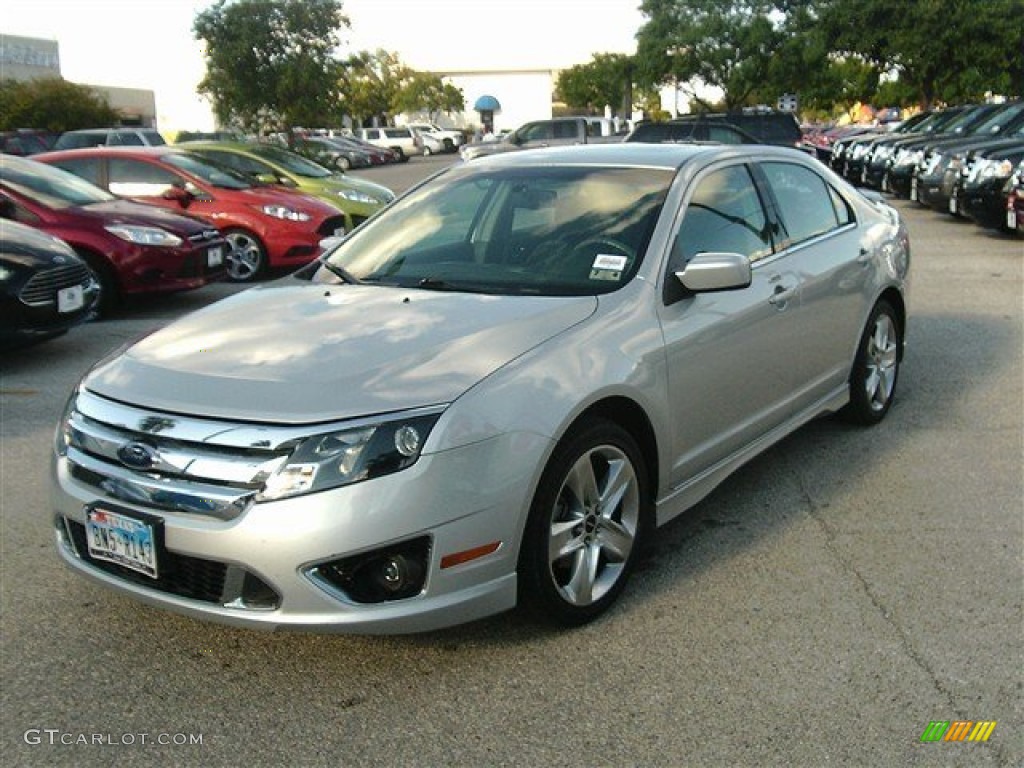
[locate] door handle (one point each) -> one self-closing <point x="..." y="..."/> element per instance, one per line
<point x="781" y="296"/>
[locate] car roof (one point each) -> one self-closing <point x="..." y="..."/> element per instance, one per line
<point x="667" y="156"/>
<point x="135" y="150"/>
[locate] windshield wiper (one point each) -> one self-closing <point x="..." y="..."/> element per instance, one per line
<point x="435" y="284"/>
<point x="341" y="272"/>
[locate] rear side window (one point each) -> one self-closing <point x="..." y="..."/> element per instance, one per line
<point x="807" y="204"/>
<point x="725" y="215"/>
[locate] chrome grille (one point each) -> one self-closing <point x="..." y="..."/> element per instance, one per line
<point x="42" y="287"/>
<point x="205" y="236"/>
<point x="331" y="225"/>
<point x="195" y="466"/>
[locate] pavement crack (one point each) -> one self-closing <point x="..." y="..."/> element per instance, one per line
<point x="904" y="639"/>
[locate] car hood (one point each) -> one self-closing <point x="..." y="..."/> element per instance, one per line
<point x="294" y="352"/>
<point x="486" y="148"/>
<point x="336" y="182"/>
<point x="296" y="199"/>
<point x="24" y="247"/>
<point x="140" y="214"/>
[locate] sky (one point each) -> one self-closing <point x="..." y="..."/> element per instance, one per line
<point x="149" y="44"/>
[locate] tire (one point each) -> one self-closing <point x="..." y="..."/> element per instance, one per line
<point x="343" y="163"/>
<point x="876" y="367"/>
<point x="593" y="499"/>
<point x="247" y="258"/>
<point x="427" y="152"/>
<point x="103" y="273"/>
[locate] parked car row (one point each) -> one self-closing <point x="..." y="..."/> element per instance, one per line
<point x="963" y="160"/>
<point x="145" y="219"/>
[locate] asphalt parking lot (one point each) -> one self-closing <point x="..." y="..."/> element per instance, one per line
<point x="823" y="607"/>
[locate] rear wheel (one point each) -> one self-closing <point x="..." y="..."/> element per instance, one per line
<point x="247" y="258"/>
<point x="590" y="515"/>
<point x="876" y="367"/>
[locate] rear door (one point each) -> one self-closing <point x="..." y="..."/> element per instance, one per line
<point x="819" y="240"/>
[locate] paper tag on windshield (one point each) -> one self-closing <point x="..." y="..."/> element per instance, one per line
<point x="609" y="261"/>
<point x="608" y="266"/>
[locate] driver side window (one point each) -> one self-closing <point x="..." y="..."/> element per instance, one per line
<point x="724" y="215"/>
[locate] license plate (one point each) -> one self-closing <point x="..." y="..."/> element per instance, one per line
<point x="70" y="299"/>
<point x="885" y="182"/>
<point x="913" y="189"/>
<point x="1011" y="219"/>
<point x="215" y="256"/>
<point x="952" y="204"/>
<point x="123" y="540"/>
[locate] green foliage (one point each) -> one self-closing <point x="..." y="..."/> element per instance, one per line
<point x="944" y="50"/>
<point x="604" y="81"/>
<point x="728" y="44"/>
<point x="52" y="104"/>
<point x="378" y="85"/>
<point x="372" y="84"/>
<point x="423" y="92"/>
<point x="270" y="63"/>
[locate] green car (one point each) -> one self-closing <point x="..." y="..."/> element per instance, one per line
<point x="358" y="199"/>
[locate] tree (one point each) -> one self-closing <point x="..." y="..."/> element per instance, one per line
<point x="52" y="104"/>
<point x="727" y="44"/>
<point x="944" y="50"/>
<point x="270" y="63"/>
<point x="372" y="83"/>
<point x="423" y="92"/>
<point x="605" y="81"/>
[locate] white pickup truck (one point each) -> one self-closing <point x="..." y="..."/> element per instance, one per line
<point x="547" y="133"/>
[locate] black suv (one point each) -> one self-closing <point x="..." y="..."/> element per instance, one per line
<point x="779" y="128"/>
<point x="675" y="131"/>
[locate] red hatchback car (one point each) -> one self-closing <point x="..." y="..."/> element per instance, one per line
<point x="266" y="226"/>
<point x="130" y="248"/>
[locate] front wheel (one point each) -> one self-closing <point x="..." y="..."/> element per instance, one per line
<point x="247" y="258"/>
<point x="587" y="522"/>
<point x="876" y="367"/>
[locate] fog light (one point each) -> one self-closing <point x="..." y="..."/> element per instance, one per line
<point x="395" y="572"/>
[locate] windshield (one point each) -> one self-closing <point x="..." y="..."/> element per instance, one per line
<point x="208" y="170"/>
<point x="1001" y="119"/>
<point x="52" y="187"/>
<point x="291" y="162"/>
<point x="542" y="231"/>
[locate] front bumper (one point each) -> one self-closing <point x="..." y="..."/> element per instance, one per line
<point x="459" y="499"/>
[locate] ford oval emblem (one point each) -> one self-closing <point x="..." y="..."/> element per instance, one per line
<point x="137" y="455"/>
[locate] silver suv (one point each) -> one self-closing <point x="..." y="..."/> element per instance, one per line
<point x="110" y="137"/>
<point x="402" y="140"/>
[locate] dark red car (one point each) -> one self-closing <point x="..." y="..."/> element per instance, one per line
<point x="266" y="226"/>
<point x="131" y="248"/>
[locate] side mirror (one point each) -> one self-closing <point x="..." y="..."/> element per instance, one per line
<point x="707" y="272"/>
<point x="179" y="194"/>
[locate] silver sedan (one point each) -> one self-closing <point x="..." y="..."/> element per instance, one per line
<point x="491" y="394"/>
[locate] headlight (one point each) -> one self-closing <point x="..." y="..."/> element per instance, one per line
<point x="997" y="169"/>
<point x="349" y="456"/>
<point x="358" y="197"/>
<point x="284" y="212"/>
<point x="144" y="235"/>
